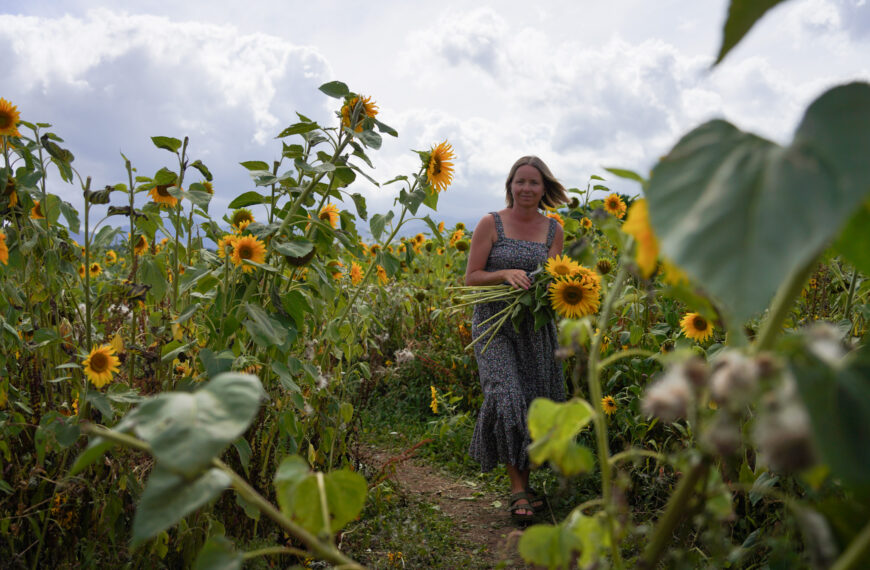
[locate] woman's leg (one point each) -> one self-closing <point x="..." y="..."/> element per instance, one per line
<point x="519" y="484"/>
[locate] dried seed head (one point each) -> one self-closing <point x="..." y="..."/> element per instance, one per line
<point x="734" y="379"/>
<point x="697" y="372"/>
<point x="669" y="397"/>
<point x="783" y="432"/>
<point x="724" y="435"/>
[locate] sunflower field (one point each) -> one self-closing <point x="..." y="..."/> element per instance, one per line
<point x="181" y="387"/>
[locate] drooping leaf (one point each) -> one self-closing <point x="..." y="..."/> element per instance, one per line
<point x="553" y="427"/>
<point x="740" y="214"/>
<point x="203" y="169"/>
<point x="742" y="15"/>
<point x="167" y="143"/>
<point x="187" y="430"/>
<point x="248" y="199"/>
<point x="169" y="497"/>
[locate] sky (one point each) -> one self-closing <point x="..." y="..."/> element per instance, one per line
<point x="584" y="85"/>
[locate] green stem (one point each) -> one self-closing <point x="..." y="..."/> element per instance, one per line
<point x="623" y="354"/>
<point x="594" y="381"/>
<point x="132" y="258"/>
<point x="850" y="296"/>
<point x="781" y="306"/>
<point x="182" y="166"/>
<point x="664" y="530"/>
<point x="274" y="550"/>
<point x="858" y="548"/>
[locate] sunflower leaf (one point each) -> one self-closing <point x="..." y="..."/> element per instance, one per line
<point x="167" y="143"/>
<point x="203" y="169"/>
<point x="740" y="213"/>
<point x="742" y="15"/>
<point x="336" y="89"/>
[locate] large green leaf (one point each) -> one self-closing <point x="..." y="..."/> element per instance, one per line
<point x="265" y="330"/>
<point x="549" y="546"/>
<point x="742" y="15"/>
<point x="218" y="554"/>
<point x="553" y="428"/>
<point x="854" y="242"/>
<point x="299" y="495"/>
<point x="187" y="430"/>
<point x="169" y="497"/>
<point x="838" y="400"/>
<point x="740" y="214"/>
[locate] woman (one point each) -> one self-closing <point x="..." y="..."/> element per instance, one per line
<point x="517" y="367"/>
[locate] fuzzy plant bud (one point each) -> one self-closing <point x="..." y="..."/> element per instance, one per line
<point x="724" y="435"/>
<point x="669" y="397"/>
<point x="403" y="356"/>
<point x="734" y="379"/>
<point x="825" y="342"/>
<point x="783" y="432"/>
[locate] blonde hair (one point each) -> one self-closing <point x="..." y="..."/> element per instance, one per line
<point x="554" y="192"/>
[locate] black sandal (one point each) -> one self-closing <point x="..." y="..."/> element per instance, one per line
<point x="516" y="506"/>
<point x="537" y="500"/>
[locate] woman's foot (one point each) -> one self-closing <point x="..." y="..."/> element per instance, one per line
<point x="538" y="500"/>
<point x="520" y="508"/>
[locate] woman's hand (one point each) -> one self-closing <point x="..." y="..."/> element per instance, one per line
<point x="517" y="278"/>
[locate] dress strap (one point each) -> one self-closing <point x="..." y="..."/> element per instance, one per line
<point x="552" y="233"/>
<point x="498" y="225"/>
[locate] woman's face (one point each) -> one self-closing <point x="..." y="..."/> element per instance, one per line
<point x="527" y="186"/>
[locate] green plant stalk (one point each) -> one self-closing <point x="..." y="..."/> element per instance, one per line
<point x="781" y="306"/>
<point x="323" y="550"/>
<point x="594" y="381"/>
<point x="859" y="547"/>
<point x="274" y="550"/>
<point x="848" y="310"/>
<point x="182" y="166"/>
<point x="275" y="165"/>
<point x="673" y="515"/>
<point x="132" y="257"/>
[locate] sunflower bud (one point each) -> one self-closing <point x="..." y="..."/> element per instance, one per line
<point x="603" y="266"/>
<point x="734" y="379"/>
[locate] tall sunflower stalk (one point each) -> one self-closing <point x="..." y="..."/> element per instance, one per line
<point x="560" y="286"/>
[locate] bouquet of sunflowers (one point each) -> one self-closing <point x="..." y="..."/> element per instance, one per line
<point x="560" y="287"/>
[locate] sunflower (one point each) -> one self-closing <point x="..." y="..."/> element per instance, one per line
<point x="250" y="248"/>
<point x="556" y="217"/>
<point x="586" y="223"/>
<point x="439" y="166"/>
<point x="4" y="250"/>
<point x="95" y="269"/>
<point x="613" y="204"/>
<point x="101" y="364"/>
<point x="209" y="187"/>
<point x="440" y="227"/>
<point x="329" y="213"/>
<point x="374" y="249"/>
<point x="561" y="266"/>
<point x="382" y="275"/>
<point x="161" y="195"/>
<point x="574" y="297"/>
<point x="463" y="245"/>
<point x="9" y="119"/>
<point x="434" y="403"/>
<point x="356" y="273"/>
<point x="696" y="327"/>
<point x="587" y="274"/>
<point x="368" y="110"/>
<point x="603" y="266"/>
<point x="419" y="238"/>
<point x="241" y="218"/>
<point x="225" y="245"/>
<point x="608" y="404"/>
<point x="637" y="225"/>
<point x="36" y="212"/>
<point x="111" y="257"/>
<point x="82" y="270"/>
<point x="141" y="244"/>
<point x="456" y="236"/>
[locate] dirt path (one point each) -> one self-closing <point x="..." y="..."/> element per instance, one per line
<point x="480" y="516"/>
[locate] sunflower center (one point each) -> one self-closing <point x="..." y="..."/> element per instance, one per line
<point x="99" y="362"/>
<point x="5" y="120"/>
<point x="562" y="269"/>
<point x="245" y="252"/>
<point x="324" y="216"/>
<point x="572" y="294"/>
<point x="163" y="190"/>
<point x="699" y="323"/>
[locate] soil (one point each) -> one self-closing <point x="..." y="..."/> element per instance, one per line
<point x="480" y="516"/>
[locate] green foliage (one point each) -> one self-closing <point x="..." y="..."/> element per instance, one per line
<point x="553" y="428"/>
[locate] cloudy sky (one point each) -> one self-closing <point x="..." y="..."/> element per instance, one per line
<point x="582" y="84"/>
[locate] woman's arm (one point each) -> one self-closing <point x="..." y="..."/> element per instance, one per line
<point x="481" y="243"/>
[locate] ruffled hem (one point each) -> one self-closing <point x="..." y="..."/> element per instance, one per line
<point x="502" y="422"/>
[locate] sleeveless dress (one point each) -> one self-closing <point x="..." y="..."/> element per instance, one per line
<point x="517" y="367"/>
